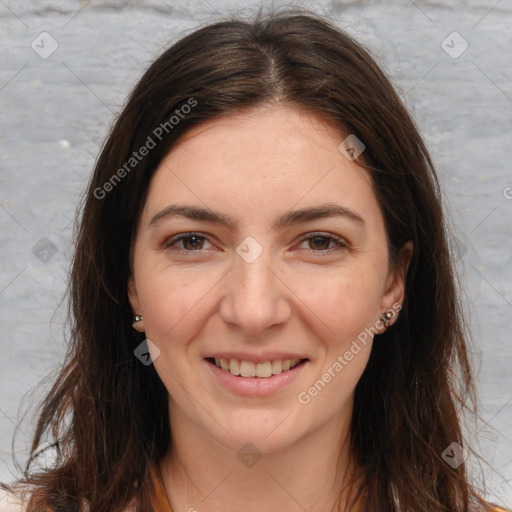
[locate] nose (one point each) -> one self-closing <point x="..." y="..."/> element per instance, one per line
<point x="256" y="298"/>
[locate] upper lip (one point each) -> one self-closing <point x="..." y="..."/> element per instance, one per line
<point x="255" y="358"/>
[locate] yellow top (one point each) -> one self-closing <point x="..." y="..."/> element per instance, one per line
<point x="159" y="500"/>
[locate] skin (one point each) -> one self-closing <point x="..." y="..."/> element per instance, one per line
<point x="295" y="297"/>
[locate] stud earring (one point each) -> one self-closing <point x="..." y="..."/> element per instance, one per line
<point x="136" y="318"/>
<point x="386" y="317"/>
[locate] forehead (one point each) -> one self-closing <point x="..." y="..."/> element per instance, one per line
<point x="276" y="132"/>
<point x="266" y="159"/>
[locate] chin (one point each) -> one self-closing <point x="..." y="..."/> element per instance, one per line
<point x="267" y="436"/>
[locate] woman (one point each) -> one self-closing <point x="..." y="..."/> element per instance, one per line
<point x="265" y="315"/>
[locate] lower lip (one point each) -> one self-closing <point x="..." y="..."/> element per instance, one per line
<point x="256" y="386"/>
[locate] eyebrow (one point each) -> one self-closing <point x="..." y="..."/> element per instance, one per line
<point x="291" y="218"/>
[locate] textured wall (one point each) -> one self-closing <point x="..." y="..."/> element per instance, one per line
<point x="66" y="68"/>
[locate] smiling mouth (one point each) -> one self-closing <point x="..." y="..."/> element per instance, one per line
<point x="262" y="370"/>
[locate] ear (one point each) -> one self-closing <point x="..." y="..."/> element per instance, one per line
<point x="133" y="297"/>
<point x="394" y="294"/>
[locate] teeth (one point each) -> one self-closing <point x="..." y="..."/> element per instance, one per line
<point x="234" y="367"/>
<point x="247" y="369"/>
<point x="264" y="369"/>
<point x="250" y="369"/>
<point x="277" y="366"/>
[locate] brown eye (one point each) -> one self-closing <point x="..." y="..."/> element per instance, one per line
<point x="319" y="242"/>
<point x="193" y="242"/>
<point x="323" y="243"/>
<point x="189" y="242"/>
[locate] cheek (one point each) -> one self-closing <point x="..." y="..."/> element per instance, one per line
<point x="348" y="308"/>
<point x="346" y="301"/>
<point x="331" y="390"/>
<point x="174" y="300"/>
<point x="176" y="310"/>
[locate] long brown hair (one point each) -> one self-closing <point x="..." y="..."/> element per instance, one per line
<point x="108" y="412"/>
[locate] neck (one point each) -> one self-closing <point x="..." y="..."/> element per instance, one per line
<point x="201" y="475"/>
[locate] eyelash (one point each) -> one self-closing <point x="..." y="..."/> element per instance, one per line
<point x="339" y="242"/>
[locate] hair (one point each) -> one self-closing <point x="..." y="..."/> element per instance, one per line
<point x="108" y="413"/>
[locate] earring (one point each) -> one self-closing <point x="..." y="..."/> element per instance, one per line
<point x="386" y="317"/>
<point x="136" y="318"/>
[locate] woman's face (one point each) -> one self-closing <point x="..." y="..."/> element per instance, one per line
<point x="242" y="257"/>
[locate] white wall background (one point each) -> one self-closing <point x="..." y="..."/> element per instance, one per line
<point x="55" y="111"/>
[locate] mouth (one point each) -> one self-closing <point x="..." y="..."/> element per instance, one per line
<point x="263" y="370"/>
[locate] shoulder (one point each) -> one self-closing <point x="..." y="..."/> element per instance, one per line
<point x="490" y="507"/>
<point x="10" y="502"/>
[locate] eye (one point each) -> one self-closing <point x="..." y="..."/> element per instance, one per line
<point x="189" y="242"/>
<point x="324" y="243"/>
<point x="317" y="242"/>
